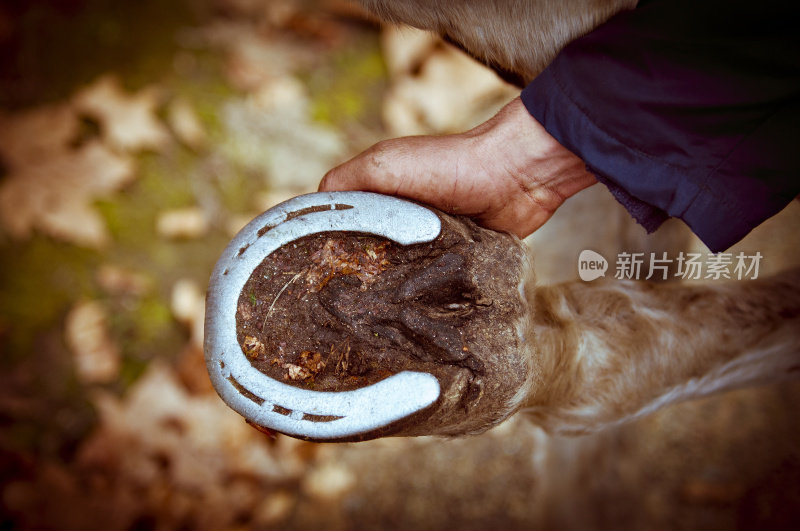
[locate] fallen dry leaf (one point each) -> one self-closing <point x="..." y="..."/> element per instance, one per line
<point x="336" y="257"/>
<point x="296" y="372"/>
<point x="253" y="61"/>
<point x="97" y="358"/>
<point x="55" y="194"/>
<point x="286" y="146"/>
<point x="160" y="440"/>
<point x="310" y="365"/>
<point x="191" y="369"/>
<point x="186" y="125"/>
<point x="253" y="348"/>
<point x="28" y="137"/>
<point x="445" y="91"/>
<point x="188" y="305"/>
<point x="405" y="48"/>
<point x="116" y="280"/>
<point x="128" y="121"/>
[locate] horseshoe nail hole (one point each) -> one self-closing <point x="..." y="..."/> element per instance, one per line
<point x="244" y="392"/>
<point x="320" y="418"/>
<point x="308" y="210"/>
<point x="342" y="206"/>
<point x="265" y="229"/>
<point x="225" y="272"/>
<point x="282" y="410"/>
<point x="242" y="250"/>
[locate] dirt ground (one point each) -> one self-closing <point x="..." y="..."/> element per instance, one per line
<point x="135" y="139"/>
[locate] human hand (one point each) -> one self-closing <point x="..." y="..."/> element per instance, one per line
<point x="508" y="173"/>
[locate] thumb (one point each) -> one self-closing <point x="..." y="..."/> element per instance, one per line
<point x="370" y="170"/>
<point x="354" y="174"/>
<point x="333" y="181"/>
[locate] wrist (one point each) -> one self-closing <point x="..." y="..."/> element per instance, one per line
<point x="542" y="167"/>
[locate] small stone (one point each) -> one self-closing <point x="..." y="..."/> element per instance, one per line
<point x="188" y="306"/>
<point x="274" y="509"/>
<point x="97" y="358"/>
<point x="286" y="92"/>
<point x="182" y="223"/>
<point x="186" y="125"/>
<point x="329" y="482"/>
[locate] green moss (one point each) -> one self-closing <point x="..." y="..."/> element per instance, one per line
<point x="145" y="330"/>
<point x="151" y="319"/>
<point x="165" y="179"/>
<point x="164" y="182"/>
<point x="350" y="84"/>
<point x="39" y="280"/>
<point x="206" y="89"/>
<point x="131" y="370"/>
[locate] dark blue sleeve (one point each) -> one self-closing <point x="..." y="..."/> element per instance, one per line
<point x="684" y="109"/>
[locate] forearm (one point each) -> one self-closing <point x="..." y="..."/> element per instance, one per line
<point x="545" y="172"/>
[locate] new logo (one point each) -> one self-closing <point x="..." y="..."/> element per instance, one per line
<point x="591" y="265"/>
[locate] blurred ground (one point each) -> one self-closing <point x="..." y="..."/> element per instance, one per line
<point x="135" y="139"/>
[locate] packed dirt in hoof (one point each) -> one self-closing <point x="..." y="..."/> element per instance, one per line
<point x="291" y="329"/>
<point x="337" y="311"/>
